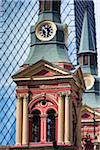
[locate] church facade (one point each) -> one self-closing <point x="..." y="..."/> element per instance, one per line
<point x="49" y="88"/>
<point x="49" y="93"/>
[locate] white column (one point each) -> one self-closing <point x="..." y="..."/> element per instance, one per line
<point x="61" y="119"/>
<point x="71" y="121"/>
<point x="25" y="134"/>
<point x="19" y="120"/>
<point x="68" y="120"/>
<point x="79" y="127"/>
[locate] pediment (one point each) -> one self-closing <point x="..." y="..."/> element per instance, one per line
<point x="89" y="113"/>
<point x="41" y="69"/>
<point x="86" y="115"/>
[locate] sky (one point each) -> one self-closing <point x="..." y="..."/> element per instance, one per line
<point x="97" y="17"/>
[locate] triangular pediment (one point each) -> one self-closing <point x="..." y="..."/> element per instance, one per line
<point x="41" y="69"/>
<point x="89" y="113"/>
<point x="86" y="115"/>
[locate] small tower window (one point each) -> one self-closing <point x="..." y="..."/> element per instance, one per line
<point x="56" y="6"/>
<point x="36" y="126"/>
<point x="85" y="60"/>
<point x="47" y="5"/>
<point x="51" y="126"/>
<point x="41" y="6"/>
<point x="92" y="60"/>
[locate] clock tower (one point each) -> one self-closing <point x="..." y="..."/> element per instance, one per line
<point x="49" y="88"/>
<point x="49" y="36"/>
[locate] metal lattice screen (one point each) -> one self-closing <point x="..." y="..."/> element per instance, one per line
<point x="16" y="17"/>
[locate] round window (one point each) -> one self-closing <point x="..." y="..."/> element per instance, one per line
<point x="43" y="102"/>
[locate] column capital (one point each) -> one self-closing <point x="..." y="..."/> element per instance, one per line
<point x="68" y="93"/>
<point x="25" y="96"/>
<point x="43" y="116"/>
<point x="65" y="93"/>
<point x="19" y="96"/>
<point x="61" y="94"/>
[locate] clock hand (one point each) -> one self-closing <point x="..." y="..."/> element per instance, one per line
<point x="45" y="32"/>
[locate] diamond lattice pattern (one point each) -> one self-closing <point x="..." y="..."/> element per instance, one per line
<point x="16" y="17"/>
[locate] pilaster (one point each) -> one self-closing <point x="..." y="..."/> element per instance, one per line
<point x="19" y="120"/>
<point x="68" y="119"/>
<point x="25" y="134"/>
<point x="61" y="116"/>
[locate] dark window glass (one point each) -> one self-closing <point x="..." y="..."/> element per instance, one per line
<point x="47" y="5"/>
<point x="92" y="60"/>
<point x="85" y="60"/>
<point x="36" y="126"/>
<point x="56" y="6"/>
<point x="41" y="6"/>
<point x="51" y="126"/>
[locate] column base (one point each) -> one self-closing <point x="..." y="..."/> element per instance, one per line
<point x="19" y="144"/>
<point x="24" y="145"/>
<point x="68" y="143"/>
<point x="61" y="142"/>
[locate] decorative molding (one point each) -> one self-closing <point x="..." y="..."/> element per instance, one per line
<point x="64" y="93"/>
<point x="25" y="96"/>
<point x="19" y="96"/>
<point x="43" y="116"/>
<point x="22" y="97"/>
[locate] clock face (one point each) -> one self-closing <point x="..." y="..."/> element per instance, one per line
<point x="45" y="30"/>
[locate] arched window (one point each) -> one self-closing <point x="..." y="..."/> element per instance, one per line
<point x="85" y="60"/>
<point x="92" y="60"/>
<point x="47" y="5"/>
<point x="36" y="126"/>
<point x="51" y="124"/>
<point x="41" y="6"/>
<point x="56" y="6"/>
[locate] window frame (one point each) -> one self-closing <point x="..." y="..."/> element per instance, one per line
<point x="85" y="60"/>
<point x="51" y="126"/>
<point x="36" y="124"/>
